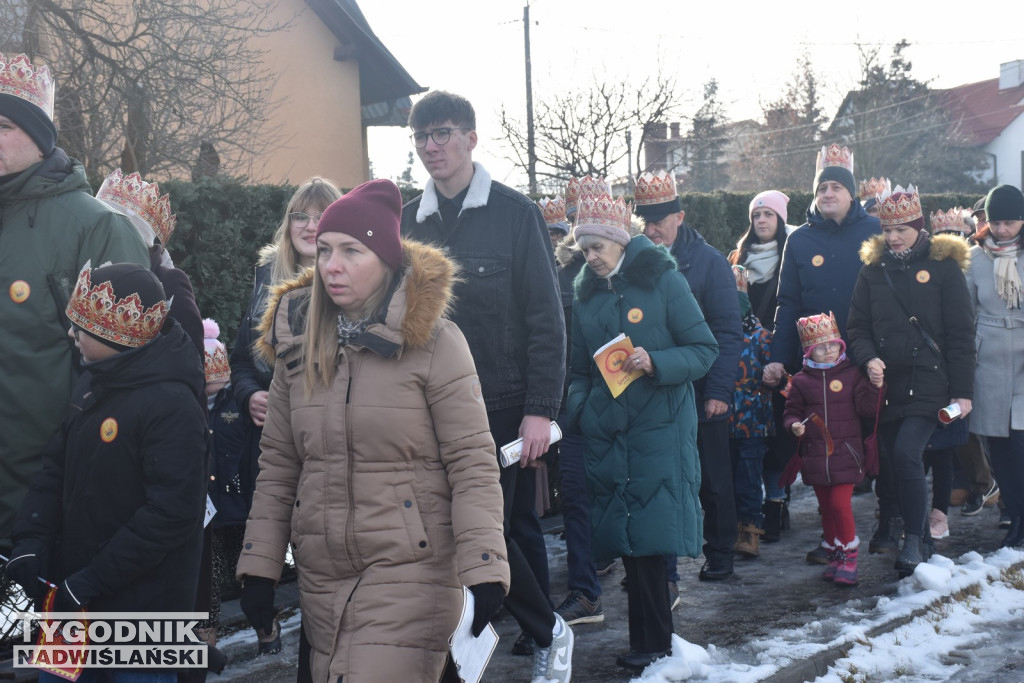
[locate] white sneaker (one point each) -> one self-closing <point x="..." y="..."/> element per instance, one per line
<point x="554" y="664"/>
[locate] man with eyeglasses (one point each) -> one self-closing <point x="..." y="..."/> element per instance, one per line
<point x="509" y="308"/>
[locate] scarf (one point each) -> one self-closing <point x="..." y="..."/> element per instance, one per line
<point x="762" y="262"/>
<point x="908" y="253"/>
<point x="348" y="329"/>
<point x="1004" y="266"/>
<point x="824" y="366"/>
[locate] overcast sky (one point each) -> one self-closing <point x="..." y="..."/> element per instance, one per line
<point x="475" y="48"/>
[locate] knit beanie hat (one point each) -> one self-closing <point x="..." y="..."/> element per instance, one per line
<point x="215" y="360"/>
<point x="26" y="98"/>
<point x="31" y="119"/>
<point x="1004" y="203"/>
<point x="603" y="217"/>
<point x="770" y="199"/>
<point x="838" y="174"/>
<point x="123" y="305"/>
<point x="835" y="163"/>
<point x="371" y="213"/>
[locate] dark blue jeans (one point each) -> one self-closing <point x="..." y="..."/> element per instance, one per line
<point x="747" y="460"/>
<point x="576" y="513"/>
<point x="1007" y="453"/>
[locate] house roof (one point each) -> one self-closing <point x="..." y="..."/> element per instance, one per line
<point x="382" y="79"/>
<point x="982" y="110"/>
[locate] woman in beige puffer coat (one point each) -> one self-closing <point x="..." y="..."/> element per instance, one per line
<point x="382" y="473"/>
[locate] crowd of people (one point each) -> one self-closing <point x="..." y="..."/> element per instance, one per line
<point x="388" y="352"/>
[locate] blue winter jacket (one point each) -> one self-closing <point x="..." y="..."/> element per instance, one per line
<point x="714" y="287"/>
<point x="819" y="268"/>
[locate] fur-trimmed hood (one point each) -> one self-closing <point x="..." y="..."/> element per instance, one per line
<point x="643" y="264"/>
<point x="479" y="190"/>
<point x="566" y="251"/>
<point x="421" y="298"/>
<point x="940" y="248"/>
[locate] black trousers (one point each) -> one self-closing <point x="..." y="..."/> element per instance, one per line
<point x="716" y="490"/>
<point x="526" y="600"/>
<point x="650" y="615"/>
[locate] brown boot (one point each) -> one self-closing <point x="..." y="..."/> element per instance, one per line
<point x="748" y="542"/>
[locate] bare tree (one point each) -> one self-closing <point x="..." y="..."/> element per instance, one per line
<point x="581" y="132"/>
<point x="706" y="142"/>
<point x="143" y="83"/>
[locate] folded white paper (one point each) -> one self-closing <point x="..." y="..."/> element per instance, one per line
<point x="471" y="655"/>
<point x="511" y="452"/>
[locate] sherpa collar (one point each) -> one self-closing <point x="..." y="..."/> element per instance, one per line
<point x="479" y="190"/>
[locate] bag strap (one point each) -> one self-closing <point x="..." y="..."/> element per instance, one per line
<point x="912" y="318"/>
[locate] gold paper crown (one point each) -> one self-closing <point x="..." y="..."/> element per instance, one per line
<point x="216" y="365"/>
<point x="21" y="78"/>
<point x="817" y="329"/>
<point x="587" y="186"/>
<point x="140" y="199"/>
<point x="655" y="188"/>
<point x="603" y="210"/>
<point x="834" y="155"/>
<point x="97" y="310"/>
<point x="900" y="210"/>
<point x="873" y="188"/>
<point x="553" y="210"/>
<point x="740" y="273"/>
<point x="945" y="221"/>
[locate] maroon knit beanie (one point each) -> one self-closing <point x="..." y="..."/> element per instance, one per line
<point x="371" y="213"/>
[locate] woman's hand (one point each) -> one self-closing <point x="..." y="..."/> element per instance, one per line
<point x="965" y="406"/>
<point x="798" y="429"/>
<point x="258" y="407"/>
<point x="713" y="407"/>
<point x="640" y="360"/>
<point x="876" y="371"/>
<point x="772" y="374"/>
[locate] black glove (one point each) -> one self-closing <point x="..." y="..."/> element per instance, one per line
<point x="68" y="599"/>
<point x="28" y="563"/>
<point x="257" y="602"/>
<point x="487" y="599"/>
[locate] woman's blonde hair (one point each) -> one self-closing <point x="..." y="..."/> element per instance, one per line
<point x="313" y="196"/>
<point x="320" y="341"/>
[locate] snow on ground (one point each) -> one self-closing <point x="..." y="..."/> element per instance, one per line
<point x="950" y="609"/>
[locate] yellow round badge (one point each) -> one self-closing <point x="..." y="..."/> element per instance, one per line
<point x="835" y="385"/>
<point x="634" y="315"/>
<point x="817" y="260"/>
<point x="923" y="276"/>
<point x="108" y="430"/>
<point x="19" y="291"/>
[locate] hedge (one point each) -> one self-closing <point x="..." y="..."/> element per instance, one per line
<point x="222" y="223"/>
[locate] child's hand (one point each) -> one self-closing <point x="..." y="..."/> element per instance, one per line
<point x="798" y="429"/>
<point x="876" y="371"/>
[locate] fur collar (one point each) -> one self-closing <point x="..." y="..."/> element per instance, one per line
<point x="566" y="251"/>
<point x="479" y="190"/>
<point x="643" y="266"/>
<point x="940" y="248"/>
<point x="421" y="299"/>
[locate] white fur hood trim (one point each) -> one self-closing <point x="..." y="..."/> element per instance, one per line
<point x="479" y="190"/>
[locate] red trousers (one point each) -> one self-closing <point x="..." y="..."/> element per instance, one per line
<point x="836" y="507"/>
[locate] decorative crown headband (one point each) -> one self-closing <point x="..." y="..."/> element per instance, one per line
<point x="124" y="321"/>
<point x="947" y="221"/>
<point x="655" y="188"/>
<point x="900" y="210"/>
<point x="870" y="189"/>
<point x="603" y="210"/>
<point x="21" y="78"/>
<point x="587" y="186"/>
<point x="834" y="155"/>
<point x="553" y="209"/>
<point x="817" y="329"/>
<point x="141" y="200"/>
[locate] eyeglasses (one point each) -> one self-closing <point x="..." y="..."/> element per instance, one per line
<point x="301" y="218"/>
<point x="440" y="136"/>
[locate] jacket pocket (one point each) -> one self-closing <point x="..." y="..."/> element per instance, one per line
<point x="418" y="543"/>
<point x="856" y="456"/>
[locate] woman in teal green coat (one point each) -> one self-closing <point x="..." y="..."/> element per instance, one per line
<point x="643" y="473"/>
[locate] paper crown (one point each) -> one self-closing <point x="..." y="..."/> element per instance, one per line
<point x="870" y="189"/>
<point x="948" y="221"/>
<point x="655" y="188"/>
<point x="21" y="78"/>
<point x="142" y="200"/>
<point x="124" y="321"/>
<point x="553" y="209"/>
<point x="834" y="155"/>
<point x="580" y="188"/>
<point x="603" y="210"/>
<point x="902" y="209"/>
<point x="740" y="273"/>
<point x="215" y="360"/>
<point x="817" y="329"/>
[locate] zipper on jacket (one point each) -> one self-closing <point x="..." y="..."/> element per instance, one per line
<point x="824" y="400"/>
<point x="350" y="532"/>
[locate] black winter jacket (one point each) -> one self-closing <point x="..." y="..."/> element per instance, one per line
<point x="714" y="287"/>
<point x="249" y="373"/>
<point x="507" y="303"/>
<point x="932" y="287"/>
<point x="120" y="498"/>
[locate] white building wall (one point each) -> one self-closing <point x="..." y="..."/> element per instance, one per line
<point x="1008" y="148"/>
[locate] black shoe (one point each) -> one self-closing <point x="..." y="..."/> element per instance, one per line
<point x="603" y="569"/>
<point x="887" y="535"/>
<point x="1005" y="521"/>
<point x="772" y="511"/>
<point x="975" y="502"/>
<point x="216" y="660"/>
<point x="269" y="644"/>
<point x="715" y="570"/>
<point x="637" y="661"/>
<point x="910" y="556"/>
<point x="1015" y="536"/>
<point x="523" y="645"/>
<point x="817" y="556"/>
<point x="623" y="584"/>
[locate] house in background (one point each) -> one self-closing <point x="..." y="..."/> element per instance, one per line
<point x="990" y="115"/>
<point x="335" y="78"/>
<point x="666" y="148"/>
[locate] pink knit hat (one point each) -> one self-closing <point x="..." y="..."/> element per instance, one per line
<point x="769" y="199"/>
<point x="371" y="213"/>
